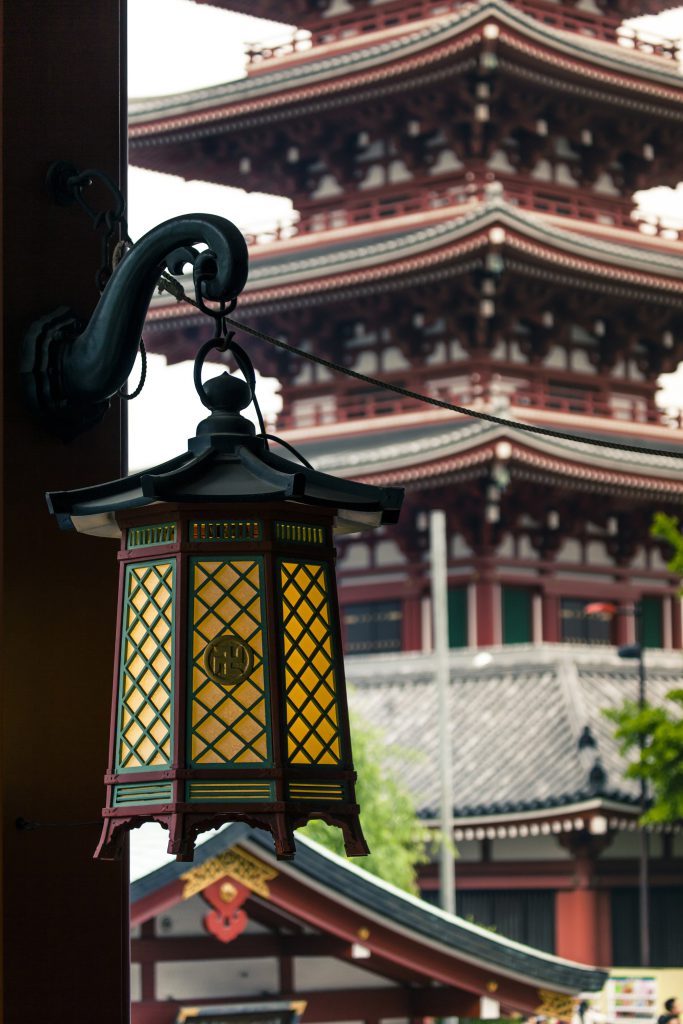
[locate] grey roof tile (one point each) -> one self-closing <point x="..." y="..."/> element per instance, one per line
<point x="516" y="723"/>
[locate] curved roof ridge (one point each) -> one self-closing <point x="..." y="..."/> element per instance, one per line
<point x="441" y="28"/>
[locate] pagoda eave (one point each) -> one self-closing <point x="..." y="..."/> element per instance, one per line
<point x="517" y="42"/>
<point x="536" y="461"/>
<point x="301" y="277"/>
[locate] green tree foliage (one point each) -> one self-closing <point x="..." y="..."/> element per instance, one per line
<point x="397" y="839"/>
<point x="661" y="761"/>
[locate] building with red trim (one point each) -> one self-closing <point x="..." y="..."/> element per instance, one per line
<point x="238" y="927"/>
<point x="462" y="175"/>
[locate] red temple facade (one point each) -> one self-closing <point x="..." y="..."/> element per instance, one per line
<point x="463" y="179"/>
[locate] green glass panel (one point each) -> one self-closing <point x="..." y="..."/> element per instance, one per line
<point x="651" y="621"/>
<point x="457" y="617"/>
<point x="516" y="615"/>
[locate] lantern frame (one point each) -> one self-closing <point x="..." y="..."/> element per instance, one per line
<point x="291" y="785"/>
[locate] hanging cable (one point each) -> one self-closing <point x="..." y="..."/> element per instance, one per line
<point x="440" y="403"/>
<point x="223" y="342"/>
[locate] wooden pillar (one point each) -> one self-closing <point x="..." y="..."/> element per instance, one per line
<point x="64" y="916"/>
<point x="551" y="618"/>
<point x="411" y="628"/>
<point x="624" y="626"/>
<point x="488" y="599"/>
<point x="583" y="926"/>
<point x="583" y="929"/>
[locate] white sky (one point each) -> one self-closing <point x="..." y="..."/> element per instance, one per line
<point x="176" y="45"/>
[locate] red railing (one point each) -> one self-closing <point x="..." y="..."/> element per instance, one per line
<point x="615" y="407"/>
<point x="348" y="408"/>
<point x="574" y="203"/>
<point x="406" y="13"/>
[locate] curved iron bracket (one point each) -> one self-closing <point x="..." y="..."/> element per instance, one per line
<point x="70" y="370"/>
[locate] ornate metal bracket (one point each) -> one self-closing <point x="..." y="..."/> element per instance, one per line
<point x="70" y="370"/>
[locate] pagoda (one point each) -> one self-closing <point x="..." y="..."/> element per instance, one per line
<point x="462" y="175"/>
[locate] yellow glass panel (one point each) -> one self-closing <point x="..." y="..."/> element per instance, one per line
<point x="161" y="630"/>
<point x="297" y="695"/>
<point x="159" y="731"/>
<point x="146" y="715"/>
<point x="331" y="755"/>
<point x="229" y="723"/>
<point x="210" y="593"/>
<point x="298" y="729"/>
<point x="146" y="672"/>
<point x="146" y="750"/>
<point x="137" y="633"/>
<point x="310" y="674"/>
<point x="149" y="647"/>
<point x="326" y="731"/>
<point x="160" y="663"/>
<point x="133" y="733"/>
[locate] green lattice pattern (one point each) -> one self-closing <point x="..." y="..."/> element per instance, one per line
<point x="310" y="675"/>
<point x="229" y="724"/>
<point x="146" y="675"/>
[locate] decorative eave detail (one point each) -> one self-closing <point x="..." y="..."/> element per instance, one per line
<point x="536" y="457"/>
<point x="624" y="77"/>
<point x="318" y="883"/>
<point x="527" y="242"/>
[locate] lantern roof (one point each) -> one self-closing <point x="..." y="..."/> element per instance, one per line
<point x="226" y="462"/>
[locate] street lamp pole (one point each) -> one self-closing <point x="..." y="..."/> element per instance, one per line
<point x="439" y="577"/>
<point x="636" y="650"/>
<point x="644" y="858"/>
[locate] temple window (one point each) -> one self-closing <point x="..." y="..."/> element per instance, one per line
<point x="651" y="622"/>
<point x="457" y="616"/>
<point x="578" y="628"/>
<point x="517" y="615"/>
<point x="372" y="628"/>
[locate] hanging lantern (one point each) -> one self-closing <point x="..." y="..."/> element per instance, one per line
<point x="229" y="698"/>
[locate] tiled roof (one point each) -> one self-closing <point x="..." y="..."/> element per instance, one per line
<point x="396" y="451"/>
<point x="630" y="261"/>
<point x="516" y="723"/>
<point x="342" y="880"/>
<point x="434" y="33"/>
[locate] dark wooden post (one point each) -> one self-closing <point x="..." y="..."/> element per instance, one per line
<point x="64" y="916"/>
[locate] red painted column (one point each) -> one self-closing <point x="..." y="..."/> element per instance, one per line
<point x="411" y="627"/>
<point x="623" y="630"/>
<point x="583" y="929"/>
<point x="551" y="618"/>
<point x="487" y="614"/>
<point x="583" y="926"/>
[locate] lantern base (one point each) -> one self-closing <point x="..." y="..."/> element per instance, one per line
<point x="184" y="825"/>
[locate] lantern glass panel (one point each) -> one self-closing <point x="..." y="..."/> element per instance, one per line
<point x="146" y="670"/>
<point x="229" y="670"/>
<point x="309" y="661"/>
